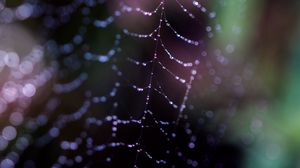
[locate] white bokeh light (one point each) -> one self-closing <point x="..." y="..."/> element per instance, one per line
<point x="16" y="118"/>
<point x="12" y="59"/>
<point x="26" y="67"/>
<point x="9" y="133"/>
<point x="24" y="11"/>
<point x="10" y="92"/>
<point x="7" y="163"/>
<point x="29" y="90"/>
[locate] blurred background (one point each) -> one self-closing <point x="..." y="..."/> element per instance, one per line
<point x="160" y="83"/>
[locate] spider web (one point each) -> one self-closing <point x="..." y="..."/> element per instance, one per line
<point x="119" y="100"/>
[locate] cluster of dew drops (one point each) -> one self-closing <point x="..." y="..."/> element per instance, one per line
<point x="24" y="80"/>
